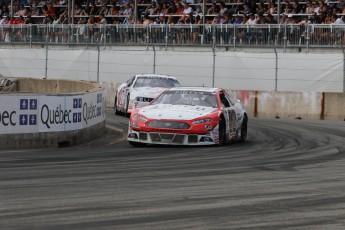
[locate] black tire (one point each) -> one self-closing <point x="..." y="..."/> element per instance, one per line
<point x="117" y="112"/>
<point x="136" y="144"/>
<point x="244" y="128"/>
<point x="222" y="132"/>
<point x="126" y="109"/>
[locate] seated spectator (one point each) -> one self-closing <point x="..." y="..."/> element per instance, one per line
<point x="35" y="11"/>
<point x="22" y="11"/>
<point x="147" y="20"/>
<point x="128" y="9"/>
<point x="187" y="8"/>
<point x="309" y="9"/>
<point x="213" y="9"/>
<point x="260" y="19"/>
<point x="78" y="9"/>
<point x="251" y="20"/>
<point x="161" y="19"/>
<point x="113" y="10"/>
<point x="86" y="11"/>
<point x="226" y="19"/>
<point x="104" y="9"/>
<point x="270" y="20"/>
<point x="50" y="9"/>
<point x="316" y="7"/>
<point x="246" y="9"/>
<point x="238" y="19"/>
<point x="322" y="8"/>
<point x="223" y="9"/>
<point x="94" y="10"/>
<point x="150" y="10"/>
<point x="261" y="8"/>
<point x="47" y="19"/>
<point x="29" y="20"/>
<point x="198" y="11"/>
<point x="179" y="9"/>
<point x="296" y="8"/>
<point x="164" y="9"/>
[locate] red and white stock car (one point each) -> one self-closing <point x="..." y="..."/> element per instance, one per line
<point x="189" y="116"/>
<point x="141" y="89"/>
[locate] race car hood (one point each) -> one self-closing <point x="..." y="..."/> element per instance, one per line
<point x="150" y="92"/>
<point x="175" y="112"/>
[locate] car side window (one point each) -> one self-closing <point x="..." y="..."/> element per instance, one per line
<point x="130" y="81"/>
<point x="224" y="100"/>
<point x="231" y="99"/>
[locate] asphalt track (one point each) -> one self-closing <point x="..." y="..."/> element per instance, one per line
<point x="288" y="175"/>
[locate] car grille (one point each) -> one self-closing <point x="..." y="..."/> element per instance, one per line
<point x="168" y="124"/>
<point x="167" y="138"/>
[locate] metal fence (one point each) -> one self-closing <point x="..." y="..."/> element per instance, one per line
<point x="205" y="35"/>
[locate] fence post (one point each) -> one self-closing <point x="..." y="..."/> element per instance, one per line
<point x="276" y="71"/>
<point x="285" y="38"/>
<point x="342" y="48"/>
<point x="98" y="61"/>
<point x="214" y="53"/>
<point x="213" y="65"/>
<point x="46" y="63"/>
<point x="154" y="59"/>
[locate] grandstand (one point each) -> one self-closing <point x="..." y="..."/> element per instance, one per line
<point x="228" y="23"/>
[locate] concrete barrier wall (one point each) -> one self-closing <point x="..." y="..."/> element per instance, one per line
<point x="54" y="86"/>
<point x="51" y="139"/>
<point x="273" y="104"/>
<point x="334" y="106"/>
<point x="51" y="113"/>
<point x="293" y="105"/>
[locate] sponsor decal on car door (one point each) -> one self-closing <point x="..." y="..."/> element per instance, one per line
<point x="230" y="116"/>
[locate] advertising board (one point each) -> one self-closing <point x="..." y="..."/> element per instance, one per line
<point x="42" y="113"/>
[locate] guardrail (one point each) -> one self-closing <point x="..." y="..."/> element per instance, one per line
<point x="292" y="35"/>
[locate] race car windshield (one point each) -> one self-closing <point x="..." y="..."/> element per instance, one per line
<point x="194" y="98"/>
<point x="156" y="82"/>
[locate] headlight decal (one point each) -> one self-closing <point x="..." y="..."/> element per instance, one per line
<point x="202" y="121"/>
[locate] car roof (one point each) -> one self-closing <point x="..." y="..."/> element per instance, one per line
<point x="202" y="89"/>
<point x="155" y="75"/>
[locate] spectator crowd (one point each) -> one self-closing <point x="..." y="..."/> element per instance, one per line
<point x="171" y="12"/>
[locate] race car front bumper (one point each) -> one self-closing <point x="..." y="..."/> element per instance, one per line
<point x="173" y="138"/>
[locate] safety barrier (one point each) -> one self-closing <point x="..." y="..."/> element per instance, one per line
<point x="51" y="113"/>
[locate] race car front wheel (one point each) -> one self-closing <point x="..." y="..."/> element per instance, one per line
<point x="117" y="112"/>
<point x="222" y="132"/>
<point x="127" y="104"/>
<point x="244" y="129"/>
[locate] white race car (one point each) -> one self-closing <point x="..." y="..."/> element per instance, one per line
<point x="141" y="89"/>
<point x="189" y="116"/>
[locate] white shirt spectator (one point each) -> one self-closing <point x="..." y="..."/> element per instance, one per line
<point x="188" y="10"/>
<point x="338" y="21"/>
<point x="251" y="20"/>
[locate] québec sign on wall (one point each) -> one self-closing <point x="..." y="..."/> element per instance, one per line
<point x="31" y="114"/>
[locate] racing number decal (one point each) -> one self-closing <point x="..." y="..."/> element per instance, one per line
<point x="232" y="123"/>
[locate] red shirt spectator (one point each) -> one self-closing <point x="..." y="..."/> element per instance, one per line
<point x="51" y="10"/>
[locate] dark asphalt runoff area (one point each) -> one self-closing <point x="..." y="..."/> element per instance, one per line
<point x="290" y="174"/>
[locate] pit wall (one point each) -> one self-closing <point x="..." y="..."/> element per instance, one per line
<point x="272" y="104"/>
<point x="51" y="113"/>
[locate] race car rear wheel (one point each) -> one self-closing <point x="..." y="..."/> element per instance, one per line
<point x="127" y="104"/>
<point x="244" y="129"/>
<point x="222" y="132"/>
<point x="117" y="112"/>
<point x="136" y="144"/>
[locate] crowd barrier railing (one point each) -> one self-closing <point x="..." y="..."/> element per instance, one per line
<point x="291" y="35"/>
